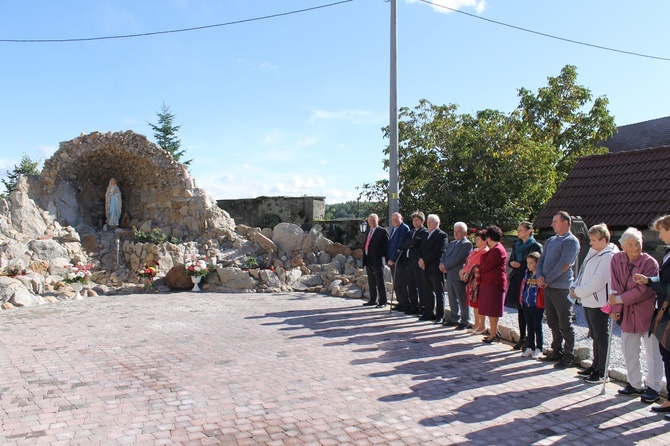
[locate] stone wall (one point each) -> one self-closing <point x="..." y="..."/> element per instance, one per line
<point x="156" y="190"/>
<point x="266" y="212"/>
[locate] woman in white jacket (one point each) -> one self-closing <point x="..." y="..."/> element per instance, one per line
<point x="590" y="289"/>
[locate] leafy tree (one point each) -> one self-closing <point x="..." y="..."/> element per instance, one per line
<point x="478" y="169"/>
<point x="165" y="133"/>
<point x="26" y="167"/>
<point x="349" y="209"/>
<point x="557" y="115"/>
<point x="492" y="167"/>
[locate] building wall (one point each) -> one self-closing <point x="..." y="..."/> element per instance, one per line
<point x="266" y="212"/>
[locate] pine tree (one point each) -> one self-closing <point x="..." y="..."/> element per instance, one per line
<point x="26" y="167"/>
<point x="165" y="133"/>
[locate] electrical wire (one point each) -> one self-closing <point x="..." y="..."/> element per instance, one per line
<point x="155" y="33"/>
<point x="577" y="42"/>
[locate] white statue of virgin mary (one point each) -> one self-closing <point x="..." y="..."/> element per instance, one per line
<point x="113" y="203"/>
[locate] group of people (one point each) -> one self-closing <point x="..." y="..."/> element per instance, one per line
<point x="613" y="286"/>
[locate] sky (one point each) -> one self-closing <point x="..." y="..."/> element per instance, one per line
<point x="295" y="104"/>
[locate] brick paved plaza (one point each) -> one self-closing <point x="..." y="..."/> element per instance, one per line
<point x="284" y="369"/>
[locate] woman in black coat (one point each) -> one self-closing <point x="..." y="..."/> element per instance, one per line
<point x="517" y="264"/>
<point x="661" y="284"/>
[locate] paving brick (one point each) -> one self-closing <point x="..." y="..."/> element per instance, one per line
<point x="285" y="369"/>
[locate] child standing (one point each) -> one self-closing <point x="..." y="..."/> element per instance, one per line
<point x="532" y="300"/>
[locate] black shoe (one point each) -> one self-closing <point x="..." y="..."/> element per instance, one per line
<point x="554" y="357"/>
<point x="565" y="363"/>
<point x="439" y="320"/>
<point x="380" y="305"/>
<point x="400" y="308"/>
<point x="519" y="345"/>
<point x="650" y="396"/>
<point x="667" y="417"/>
<point x="412" y="311"/>
<point x="427" y="317"/>
<point x="450" y="324"/>
<point x="659" y="409"/>
<point x="496" y="338"/>
<point x="595" y="378"/>
<point x="630" y="391"/>
<point x="586" y="372"/>
<point x="461" y="327"/>
<point x="369" y="303"/>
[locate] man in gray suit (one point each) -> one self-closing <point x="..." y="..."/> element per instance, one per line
<point x="451" y="263"/>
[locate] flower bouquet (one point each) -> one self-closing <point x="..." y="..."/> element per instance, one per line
<point x="78" y="273"/>
<point x="14" y="270"/>
<point x="197" y="269"/>
<point x="146" y="274"/>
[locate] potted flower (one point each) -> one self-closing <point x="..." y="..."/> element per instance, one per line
<point x="197" y="269"/>
<point x="77" y="275"/>
<point x="146" y="273"/>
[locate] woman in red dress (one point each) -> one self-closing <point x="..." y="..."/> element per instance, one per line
<point x="470" y="275"/>
<point x="493" y="281"/>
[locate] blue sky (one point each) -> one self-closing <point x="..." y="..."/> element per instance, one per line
<point x="294" y="105"/>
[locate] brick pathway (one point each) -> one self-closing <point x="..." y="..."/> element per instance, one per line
<point x="283" y="369"/>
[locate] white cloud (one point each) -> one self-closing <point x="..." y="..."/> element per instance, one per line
<point x="300" y="186"/>
<point x="47" y="151"/>
<point x="352" y="116"/>
<point x="268" y="67"/>
<point x="441" y="5"/>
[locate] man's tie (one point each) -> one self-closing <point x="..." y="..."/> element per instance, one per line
<point x="367" y="241"/>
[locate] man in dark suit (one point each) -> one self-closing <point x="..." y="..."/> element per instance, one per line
<point x="416" y="279"/>
<point x="396" y="262"/>
<point x="432" y="249"/>
<point x="451" y="263"/>
<point x="375" y="244"/>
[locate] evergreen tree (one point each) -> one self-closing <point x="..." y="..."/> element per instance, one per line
<point x="26" y="167"/>
<point x="165" y="133"/>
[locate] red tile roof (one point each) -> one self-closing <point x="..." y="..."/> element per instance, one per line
<point x="620" y="189"/>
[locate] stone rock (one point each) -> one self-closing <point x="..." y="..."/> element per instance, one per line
<point x="322" y="243"/>
<point x="353" y="290"/>
<point x="333" y="266"/>
<point x="40" y="267"/>
<point x="357" y="254"/>
<point x="178" y="279"/>
<point x="311" y="280"/>
<point x="7" y="306"/>
<point x="341" y="259"/>
<point x="233" y="277"/>
<point x="337" y="248"/>
<point x="270" y="278"/>
<point x="23" y="298"/>
<point x="58" y="266"/>
<point x="311" y="258"/>
<point x="334" y="287"/>
<point x="47" y="249"/>
<point x="288" y="237"/>
<point x="26" y="216"/>
<point x="265" y="243"/>
<point x="33" y="282"/>
<point x="267" y="232"/>
<point x="68" y="234"/>
<point x="297" y="261"/>
<point x="292" y="277"/>
<point x="324" y="257"/>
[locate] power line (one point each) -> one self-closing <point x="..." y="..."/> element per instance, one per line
<point x="155" y="33"/>
<point x="577" y="42"/>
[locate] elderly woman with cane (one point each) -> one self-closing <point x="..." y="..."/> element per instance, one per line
<point x="661" y="284"/>
<point x="633" y="308"/>
<point x="590" y="289"/>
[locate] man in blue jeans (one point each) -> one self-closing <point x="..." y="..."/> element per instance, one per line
<point x="554" y="272"/>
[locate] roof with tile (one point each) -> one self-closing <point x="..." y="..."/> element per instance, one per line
<point x="622" y="189"/>
<point x="641" y="135"/>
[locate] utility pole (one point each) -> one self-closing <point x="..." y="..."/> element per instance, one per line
<point x="394" y="198"/>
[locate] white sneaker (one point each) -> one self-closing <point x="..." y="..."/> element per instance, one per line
<point x="537" y="354"/>
<point x="527" y="353"/>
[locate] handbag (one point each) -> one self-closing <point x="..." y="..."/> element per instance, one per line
<point x="539" y="299"/>
<point x="660" y="326"/>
